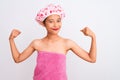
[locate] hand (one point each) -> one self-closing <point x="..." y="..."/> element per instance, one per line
<point x="86" y="31"/>
<point x="14" y="34"/>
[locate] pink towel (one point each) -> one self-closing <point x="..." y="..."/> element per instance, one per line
<point x="50" y="66"/>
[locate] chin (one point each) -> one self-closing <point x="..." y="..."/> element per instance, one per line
<point x="55" y="32"/>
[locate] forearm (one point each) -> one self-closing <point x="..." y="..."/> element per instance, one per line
<point x="93" y="51"/>
<point x="14" y="51"/>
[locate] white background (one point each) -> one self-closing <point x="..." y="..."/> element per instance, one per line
<point x="102" y="16"/>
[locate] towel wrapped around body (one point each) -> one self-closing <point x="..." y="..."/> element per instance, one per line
<point x="50" y="66"/>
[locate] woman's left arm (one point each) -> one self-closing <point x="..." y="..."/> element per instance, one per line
<point x="88" y="56"/>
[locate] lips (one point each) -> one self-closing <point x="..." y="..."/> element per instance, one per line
<point x="55" y="29"/>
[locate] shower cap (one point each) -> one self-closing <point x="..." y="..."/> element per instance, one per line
<point x="49" y="10"/>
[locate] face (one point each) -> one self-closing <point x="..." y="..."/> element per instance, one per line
<point x="53" y="24"/>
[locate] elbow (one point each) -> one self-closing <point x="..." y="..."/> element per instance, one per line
<point x="17" y="60"/>
<point x="93" y="61"/>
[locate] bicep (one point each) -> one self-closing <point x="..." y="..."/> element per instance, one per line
<point x="79" y="51"/>
<point x="26" y="53"/>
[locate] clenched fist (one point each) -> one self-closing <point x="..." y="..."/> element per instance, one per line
<point x="14" y="34"/>
<point x="86" y="31"/>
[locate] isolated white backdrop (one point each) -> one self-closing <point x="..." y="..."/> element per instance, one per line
<point x="102" y="16"/>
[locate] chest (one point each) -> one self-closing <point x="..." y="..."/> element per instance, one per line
<point x="53" y="47"/>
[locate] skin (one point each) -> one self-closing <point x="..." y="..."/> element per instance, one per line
<point x="52" y="42"/>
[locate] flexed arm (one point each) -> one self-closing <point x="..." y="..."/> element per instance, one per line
<point x="88" y="56"/>
<point x="17" y="56"/>
<point x="93" y="50"/>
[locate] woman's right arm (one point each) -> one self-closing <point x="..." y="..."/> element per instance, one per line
<point x="17" y="56"/>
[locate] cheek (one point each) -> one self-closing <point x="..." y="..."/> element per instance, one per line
<point x="60" y="24"/>
<point x="48" y="26"/>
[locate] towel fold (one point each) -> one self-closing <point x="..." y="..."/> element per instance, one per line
<point x="50" y="66"/>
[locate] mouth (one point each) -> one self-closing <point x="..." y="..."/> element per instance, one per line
<point x="55" y="29"/>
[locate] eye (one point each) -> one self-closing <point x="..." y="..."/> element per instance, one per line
<point x="50" y="21"/>
<point x="59" y="20"/>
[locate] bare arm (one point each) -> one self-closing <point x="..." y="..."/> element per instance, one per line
<point x="17" y="56"/>
<point x="88" y="56"/>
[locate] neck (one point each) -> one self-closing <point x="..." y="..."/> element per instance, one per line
<point x="52" y="37"/>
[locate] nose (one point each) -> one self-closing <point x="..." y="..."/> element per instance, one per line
<point x="55" y="24"/>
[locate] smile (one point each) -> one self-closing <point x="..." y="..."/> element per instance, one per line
<point x="55" y="29"/>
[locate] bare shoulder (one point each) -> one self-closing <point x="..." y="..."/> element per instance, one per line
<point x="36" y="42"/>
<point x="69" y="43"/>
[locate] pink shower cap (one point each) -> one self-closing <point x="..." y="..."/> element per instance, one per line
<point x="49" y="10"/>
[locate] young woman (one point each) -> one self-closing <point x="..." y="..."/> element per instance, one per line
<point x="52" y="49"/>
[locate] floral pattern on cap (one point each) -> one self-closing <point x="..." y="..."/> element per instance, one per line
<point x="49" y="10"/>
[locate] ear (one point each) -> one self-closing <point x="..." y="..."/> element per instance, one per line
<point x="41" y="23"/>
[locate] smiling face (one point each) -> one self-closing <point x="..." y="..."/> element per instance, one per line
<point x="53" y="24"/>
